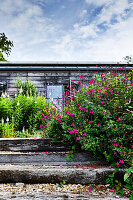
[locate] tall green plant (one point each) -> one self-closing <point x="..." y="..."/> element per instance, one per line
<point x="26" y="88"/>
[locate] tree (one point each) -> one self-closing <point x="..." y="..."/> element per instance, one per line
<point x="128" y="59"/>
<point x="5" y="46"/>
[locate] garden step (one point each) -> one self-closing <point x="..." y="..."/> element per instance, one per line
<point x="45" y="158"/>
<point x="55" y="174"/>
<point x="32" y="144"/>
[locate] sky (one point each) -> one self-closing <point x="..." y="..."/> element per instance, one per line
<point x="68" y="30"/>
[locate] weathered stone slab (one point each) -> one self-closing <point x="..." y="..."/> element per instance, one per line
<point x="31" y="144"/>
<point x="45" y="158"/>
<point x="44" y="174"/>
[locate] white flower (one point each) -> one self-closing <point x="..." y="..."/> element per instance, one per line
<point x="2" y="120"/>
<point x="7" y="119"/>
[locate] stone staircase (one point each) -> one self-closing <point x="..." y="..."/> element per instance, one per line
<point x="31" y="160"/>
<point x="29" y="151"/>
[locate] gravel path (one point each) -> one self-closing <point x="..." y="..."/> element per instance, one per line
<point x="21" y="191"/>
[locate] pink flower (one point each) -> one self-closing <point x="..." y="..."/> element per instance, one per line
<point x="66" y="119"/>
<point x="116" y="129"/>
<point x="40" y="126"/>
<point x="121" y="161"/>
<point x="84" y="133"/>
<point x="72" y="125"/>
<point x="68" y="129"/>
<point x="98" y="125"/>
<point x="90" y="122"/>
<point x="115" y="145"/>
<point x="71" y="131"/>
<point x="91" y="111"/>
<point x="119" y="119"/>
<point x="117" y="163"/>
<point x="114" y="152"/>
<point x="121" y="146"/>
<point x="35" y="124"/>
<point x="70" y="114"/>
<point x="102" y="102"/>
<point x="77" y="138"/>
<point x="130" y="129"/>
<point x="114" y="141"/>
<point x="126" y="99"/>
<point x="109" y="115"/>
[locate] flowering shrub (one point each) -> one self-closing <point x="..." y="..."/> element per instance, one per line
<point x="99" y="118"/>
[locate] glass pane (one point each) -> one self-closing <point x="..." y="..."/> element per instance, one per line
<point x="54" y="91"/>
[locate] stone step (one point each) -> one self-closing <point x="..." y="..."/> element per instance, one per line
<point x="55" y="174"/>
<point x="45" y="158"/>
<point x="32" y="144"/>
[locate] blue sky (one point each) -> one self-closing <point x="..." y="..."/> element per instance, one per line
<point x="68" y="30"/>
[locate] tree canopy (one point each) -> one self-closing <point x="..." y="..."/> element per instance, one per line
<point x="5" y="46"/>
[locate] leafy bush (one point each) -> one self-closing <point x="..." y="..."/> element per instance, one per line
<point x="27" y="111"/>
<point x="99" y="117"/>
<point x="6" y="108"/>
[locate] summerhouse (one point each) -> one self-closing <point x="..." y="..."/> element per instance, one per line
<point x="53" y="78"/>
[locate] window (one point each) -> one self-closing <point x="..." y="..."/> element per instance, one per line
<point x="54" y="94"/>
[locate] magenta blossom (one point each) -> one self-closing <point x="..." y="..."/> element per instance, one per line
<point x="121" y="161"/>
<point x="90" y="122"/>
<point x="114" y="141"/>
<point x="72" y="125"/>
<point x="119" y="119"/>
<point x="77" y="138"/>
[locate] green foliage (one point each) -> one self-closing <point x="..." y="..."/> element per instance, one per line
<point x="5" y="46"/>
<point x="27" y="111"/>
<point x="26" y="88"/>
<point x="23" y="112"/>
<point x="99" y="118"/>
<point x="128" y="178"/>
<point x="6" y="108"/>
<point x="114" y="184"/>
